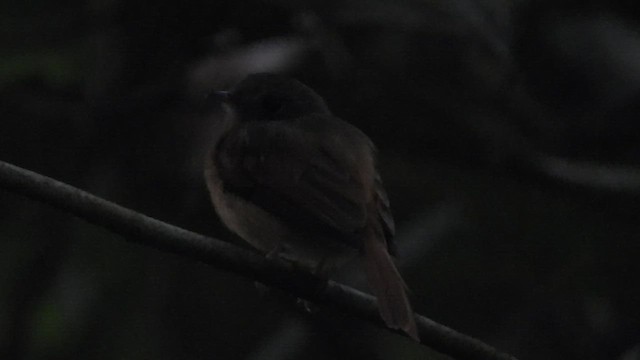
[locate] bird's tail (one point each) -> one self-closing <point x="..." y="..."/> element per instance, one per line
<point x="388" y="286"/>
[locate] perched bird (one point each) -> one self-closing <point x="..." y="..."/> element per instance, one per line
<point x="295" y="181"/>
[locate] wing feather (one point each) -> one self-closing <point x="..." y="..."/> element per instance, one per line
<point x="321" y="182"/>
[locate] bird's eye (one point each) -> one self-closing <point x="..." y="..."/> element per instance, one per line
<point x="272" y="104"/>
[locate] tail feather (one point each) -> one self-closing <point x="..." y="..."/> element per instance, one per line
<point x="389" y="288"/>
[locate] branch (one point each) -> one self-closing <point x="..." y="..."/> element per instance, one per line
<point x="139" y="228"/>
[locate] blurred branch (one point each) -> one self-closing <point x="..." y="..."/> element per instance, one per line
<point x="139" y="228"/>
<point x="269" y="55"/>
<point x="592" y="174"/>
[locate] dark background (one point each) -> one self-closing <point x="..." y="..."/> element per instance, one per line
<point x="508" y="135"/>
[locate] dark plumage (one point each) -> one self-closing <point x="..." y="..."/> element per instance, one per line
<point x="291" y="179"/>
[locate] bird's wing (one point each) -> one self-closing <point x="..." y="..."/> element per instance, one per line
<point x="324" y="182"/>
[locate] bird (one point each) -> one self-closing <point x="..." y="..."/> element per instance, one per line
<point x="297" y="182"/>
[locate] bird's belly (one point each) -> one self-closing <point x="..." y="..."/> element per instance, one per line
<point x="270" y="235"/>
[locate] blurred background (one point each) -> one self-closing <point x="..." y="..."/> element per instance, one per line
<point x="509" y="143"/>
